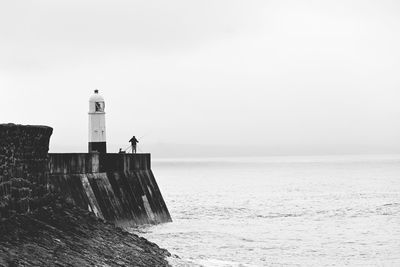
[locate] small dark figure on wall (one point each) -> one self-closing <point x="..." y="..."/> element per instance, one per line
<point x="134" y="141"/>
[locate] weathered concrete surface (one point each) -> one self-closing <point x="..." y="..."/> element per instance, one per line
<point x="40" y="228"/>
<point x="117" y="187"/>
<point x="23" y="167"/>
<point x="62" y="235"/>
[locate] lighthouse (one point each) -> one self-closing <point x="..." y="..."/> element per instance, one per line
<point x="97" y="123"/>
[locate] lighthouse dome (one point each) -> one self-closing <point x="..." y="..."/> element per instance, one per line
<point x="96" y="97"/>
<point x="96" y="103"/>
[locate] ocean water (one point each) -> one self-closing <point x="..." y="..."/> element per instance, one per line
<point x="280" y="211"/>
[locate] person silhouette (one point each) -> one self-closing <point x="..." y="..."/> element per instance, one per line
<point x="133" y="141"/>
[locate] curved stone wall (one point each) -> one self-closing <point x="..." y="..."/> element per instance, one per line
<point x="23" y="167"/>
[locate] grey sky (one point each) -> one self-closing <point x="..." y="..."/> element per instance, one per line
<point x="320" y="75"/>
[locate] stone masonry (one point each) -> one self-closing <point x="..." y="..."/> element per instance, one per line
<point x="23" y="167"/>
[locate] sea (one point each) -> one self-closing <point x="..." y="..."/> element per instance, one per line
<point x="280" y="211"/>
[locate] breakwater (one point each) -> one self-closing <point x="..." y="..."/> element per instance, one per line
<point x="51" y="204"/>
<point x="119" y="188"/>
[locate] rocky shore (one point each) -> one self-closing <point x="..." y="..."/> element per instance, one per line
<point x="41" y="228"/>
<point x="59" y="234"/>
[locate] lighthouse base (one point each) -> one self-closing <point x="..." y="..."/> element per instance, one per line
<point x="100" y="147"/>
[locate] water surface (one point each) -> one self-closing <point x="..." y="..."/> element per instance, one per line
<point x="281" y="211"/>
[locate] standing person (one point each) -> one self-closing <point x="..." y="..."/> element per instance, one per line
<point x="133" y="141"/>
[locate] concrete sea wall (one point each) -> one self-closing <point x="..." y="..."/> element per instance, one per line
<point x="117" y="187"/>
<point x="120" y="188"/>
<point x="23" y="167"/>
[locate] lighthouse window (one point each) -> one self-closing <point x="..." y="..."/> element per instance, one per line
<point x="99" y="106"/>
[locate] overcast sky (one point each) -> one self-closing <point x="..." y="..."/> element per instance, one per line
<point x="290" y="75"/>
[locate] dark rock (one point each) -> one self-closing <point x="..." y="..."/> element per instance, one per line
<point x="56" y="235"/>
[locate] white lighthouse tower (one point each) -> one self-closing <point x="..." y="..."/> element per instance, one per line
<point x="97" y="123"/>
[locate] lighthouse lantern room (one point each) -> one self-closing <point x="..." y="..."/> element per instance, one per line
<point x="97" y="124"/>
